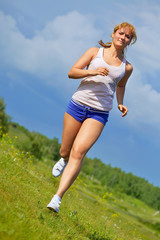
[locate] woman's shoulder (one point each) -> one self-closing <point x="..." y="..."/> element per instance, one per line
<point x="129" y="67"/>
<point x="92" y="52"/>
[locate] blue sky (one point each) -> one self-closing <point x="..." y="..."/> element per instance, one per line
<point x="39" y="43"/>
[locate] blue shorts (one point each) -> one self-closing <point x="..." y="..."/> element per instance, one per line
<point x="81" y="112"/>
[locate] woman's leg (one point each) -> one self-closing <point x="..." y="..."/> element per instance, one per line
<point x="88" y="133"/>
<point x="70" y="129"/>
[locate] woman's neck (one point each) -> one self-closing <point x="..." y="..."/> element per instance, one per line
<point x="115" y="53"/>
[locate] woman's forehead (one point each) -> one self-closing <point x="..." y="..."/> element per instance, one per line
<point x="126" y="30"/>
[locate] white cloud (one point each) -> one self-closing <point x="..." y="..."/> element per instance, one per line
<point x="50" y="49"/>
<point x="143" y="102"/>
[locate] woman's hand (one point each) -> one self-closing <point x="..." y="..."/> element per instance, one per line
<point x="99" y="71"/>
<point x="78" y="70"/>
<point x="123" y="109"/>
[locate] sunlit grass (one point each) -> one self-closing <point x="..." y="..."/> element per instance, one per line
<point x="88" y="210"/>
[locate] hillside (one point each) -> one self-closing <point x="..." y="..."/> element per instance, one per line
<point x="89" y="210"/>
<point x="113" y="178"/>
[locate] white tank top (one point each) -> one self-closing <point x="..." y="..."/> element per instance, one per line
<point x="98" y="91"/>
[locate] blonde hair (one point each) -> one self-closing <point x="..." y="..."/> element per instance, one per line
<point x="122" y="25"/>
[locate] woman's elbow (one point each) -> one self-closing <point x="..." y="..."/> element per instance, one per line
<point x="70" y="75"/>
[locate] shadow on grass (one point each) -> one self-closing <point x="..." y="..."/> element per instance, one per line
<point x="97" y="236"/>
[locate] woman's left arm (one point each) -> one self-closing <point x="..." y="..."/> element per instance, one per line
<point x="120" y="90"/>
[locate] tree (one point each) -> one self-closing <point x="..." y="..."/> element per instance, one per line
<point x="4" y="118"/>
<point x="55" y="149"/>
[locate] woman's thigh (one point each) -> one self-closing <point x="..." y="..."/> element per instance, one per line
<point x="70" y="129"/>
<point x="87" y="135"/>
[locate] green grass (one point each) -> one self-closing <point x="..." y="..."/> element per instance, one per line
<point x="88" y="210"/>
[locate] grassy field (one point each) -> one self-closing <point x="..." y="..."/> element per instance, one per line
<point x="88" y="210"/>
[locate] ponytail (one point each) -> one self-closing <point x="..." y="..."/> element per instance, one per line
<point x="105" y="45"/>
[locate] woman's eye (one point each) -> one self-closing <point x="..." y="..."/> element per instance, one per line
<point x="129" y="37"/>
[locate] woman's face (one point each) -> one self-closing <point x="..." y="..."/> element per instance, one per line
<point x="122" y="37"/>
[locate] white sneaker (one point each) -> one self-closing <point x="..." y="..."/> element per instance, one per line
<point x="54" y="203"/>
<point x="59" y="167"/>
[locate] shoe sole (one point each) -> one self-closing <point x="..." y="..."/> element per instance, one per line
<point x="52" y="209"/>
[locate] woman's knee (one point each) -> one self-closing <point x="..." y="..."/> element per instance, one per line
<point x="76" y="153"/>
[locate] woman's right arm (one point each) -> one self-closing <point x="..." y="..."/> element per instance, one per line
<point x="78" y="71"/>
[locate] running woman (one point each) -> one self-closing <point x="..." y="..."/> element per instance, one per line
<point x="103" y="71"/>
